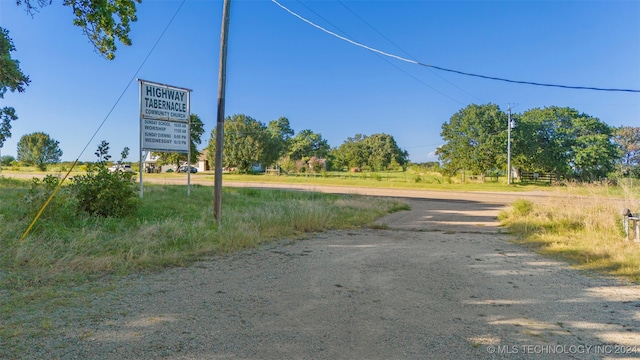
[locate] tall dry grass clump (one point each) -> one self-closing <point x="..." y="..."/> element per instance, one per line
<point x="583" y="226"/>
<point x="170" y="228"/>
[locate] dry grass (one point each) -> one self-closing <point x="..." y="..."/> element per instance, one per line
<point x="585" y="229"/>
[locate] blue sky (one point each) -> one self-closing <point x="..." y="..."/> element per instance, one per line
<point x="280" y="66"/>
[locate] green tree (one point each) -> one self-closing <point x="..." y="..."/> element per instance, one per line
<point x="281" y="134"/>
<point x="177" y="158"/>
<point x="246" y="143"/>
<point x="102" y="21"/>
<point x="351" y="153"/>
<point x="11" y="79"/>
<point x="563" y="141"/>
<point x="383" y="153"/>
<point x="628" y="140"/>
<point x="38" y="149"/>
<point x="376" y="152"/>
<point x="6" y="160"/>
<point x="542" y="140"/>
<point x="476" y="140"/>
<point x="593" y="151"/>
<point x="306" y="144"/>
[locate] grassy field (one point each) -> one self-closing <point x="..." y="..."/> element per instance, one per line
<point x="584" y="227"/>
<point x="68" y="258"/>
<point x="391" y="179"/>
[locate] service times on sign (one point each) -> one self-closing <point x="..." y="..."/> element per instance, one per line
<point x="162" y="135"/>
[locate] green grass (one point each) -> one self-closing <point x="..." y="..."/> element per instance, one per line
<point x="67" y="257"/>
<point x="584" y="229"/>
<point x="390" y="180"/>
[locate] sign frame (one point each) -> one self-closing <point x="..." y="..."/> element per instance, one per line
<point x="165" y="111"/>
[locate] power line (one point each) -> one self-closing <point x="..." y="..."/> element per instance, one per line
<point x="405" y="52"/>
<point x="384" y="58"/>
<point x="449" y="70"/>
<point x="132" y="78"/>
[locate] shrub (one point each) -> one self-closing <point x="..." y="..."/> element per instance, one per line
<point x="61" y="207"/>
<point x="522" y="207"/>
<point x="104" y="193"/>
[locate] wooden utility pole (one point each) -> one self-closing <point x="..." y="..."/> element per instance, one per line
<point x="222" y="81"/>
<point x="509" y="126"/>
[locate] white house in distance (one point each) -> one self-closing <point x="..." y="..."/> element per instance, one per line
<point x="151" y="165"/>
<point x="203" y="162"/>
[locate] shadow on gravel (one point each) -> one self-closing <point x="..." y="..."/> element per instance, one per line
<point x="450" y="216"/>
<point x="534" y="306"/>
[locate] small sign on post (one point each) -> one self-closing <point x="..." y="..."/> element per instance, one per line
<point x="165" y="124"/>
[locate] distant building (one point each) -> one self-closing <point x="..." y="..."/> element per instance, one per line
<point x="150" y="163"/>
<point x="203" y="161"/>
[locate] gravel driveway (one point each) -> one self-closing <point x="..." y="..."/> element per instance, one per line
<point x="441" y="281"/>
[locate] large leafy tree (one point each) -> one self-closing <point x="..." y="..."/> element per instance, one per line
<point x="102" y="21"/>
<point x="376" y="152"/>
<point x="563" y="141"/>
<point x="307" y="144"/>
<point x="11" y="79"/>
<point x="281" y="133"/>
<point x="196" y="129"/>
<point x="542" y="140"/>
<point x="351" y="153"/>
<point x="39" y="149"/>
<point x="593" y="150"/>
<point x="476" y="139"/>
<point x="246" y="143"/>
<point x="384" y="152"/>
<point x="628" y="140"/>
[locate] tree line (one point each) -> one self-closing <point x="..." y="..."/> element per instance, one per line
<point x="554" y="140"/>
<point x="551" y="140"/>
<point x="249" y="142"/>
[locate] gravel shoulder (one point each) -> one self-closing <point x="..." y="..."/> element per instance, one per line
<point x="441" y="281"/>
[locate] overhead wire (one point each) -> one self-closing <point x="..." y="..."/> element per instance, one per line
<point x="487" y="77"/>
<point x="405" y="52"/>
<point x="387" y="61"/>
<point x="55" y="191"/>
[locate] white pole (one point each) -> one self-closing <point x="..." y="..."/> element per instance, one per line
<point x="189" y="155"/>
<point x="141" y="134"/>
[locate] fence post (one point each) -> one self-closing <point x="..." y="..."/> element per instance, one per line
<point x="625" y="222"/>
<point x="626" y="227"/>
